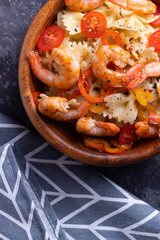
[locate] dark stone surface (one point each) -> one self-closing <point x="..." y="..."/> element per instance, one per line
<point x="143" y="179"/>
<point x="15" y="18"/>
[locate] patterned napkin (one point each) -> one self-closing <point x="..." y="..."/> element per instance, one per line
<point x="46" y="195"/>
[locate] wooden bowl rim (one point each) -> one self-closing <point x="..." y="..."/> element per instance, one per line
<point x="44" y="18"/>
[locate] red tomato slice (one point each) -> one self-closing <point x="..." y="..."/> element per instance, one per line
<point x="87" y="85"/>
<point x="154" y="40"/>
<point x="74" y="94"/>
<point x="127" y="134"/>
<point x="113" y="35"/>
<point x="93" y="24"/>
<point x="156" y="23"/>
<point x="52" y="37"/>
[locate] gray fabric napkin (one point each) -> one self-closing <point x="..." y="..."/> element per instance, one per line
<point x="46" y="195"/>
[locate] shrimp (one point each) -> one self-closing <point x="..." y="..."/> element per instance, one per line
<point x="154" y="118"/>
<point x="132" y="78"/>
<point x="140" y="6"/>
<point x="113" y="53"/>
<point x="149" y="70"/>
<point x="57" y="108"/>
<point x="66" y="67"/>
<point x="83" y="5"/>
<point x="89" y="126"/>
<point x="103" y="56"/>
<point x="152" y="69"/>
<point x="145" y="130"/>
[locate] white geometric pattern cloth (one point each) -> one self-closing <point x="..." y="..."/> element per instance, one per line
<point x="46" y="195"/>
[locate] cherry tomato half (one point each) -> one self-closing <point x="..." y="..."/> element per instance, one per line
<point x="52" y="37"/>
<point x="154" y="40"/>
<point x="93" y="24"/>
<point x="156" y="23"/>
<point x="127" y="134"/>
<point x="114" y="36"/>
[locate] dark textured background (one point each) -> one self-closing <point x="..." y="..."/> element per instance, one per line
<point x="143" y="179"/>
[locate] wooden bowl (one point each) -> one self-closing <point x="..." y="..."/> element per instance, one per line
<point x="60" y="135"/>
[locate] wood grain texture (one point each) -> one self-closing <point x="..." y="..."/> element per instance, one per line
<point x="60" y="135"/>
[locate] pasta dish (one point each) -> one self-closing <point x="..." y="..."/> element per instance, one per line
<point x="100" y="63"/>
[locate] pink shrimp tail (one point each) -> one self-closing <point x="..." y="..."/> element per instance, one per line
<point x="109" y="126"/>
<point x="152" y="69"/>
<point x="34" y="61"/>
<point x="139" y="73"/>
<point x="83" y="109"/>
<point x="146" y="130"/>
<point x="136" y="75"/>
<point x="154" y="118"/>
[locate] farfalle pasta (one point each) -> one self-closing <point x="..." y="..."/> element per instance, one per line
<point x="148" y="55"/>
<point x="71" y="21"/>
<point x="100" y="65"/>
<point x="82" y="51"/>
<point x="121" y="107"/>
